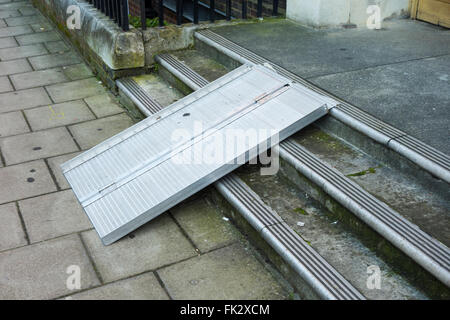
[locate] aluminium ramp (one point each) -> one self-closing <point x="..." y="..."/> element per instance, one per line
<point x="148" y="168"/>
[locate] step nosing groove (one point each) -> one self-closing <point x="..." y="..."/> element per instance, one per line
<point x="346" y="181"/>
<point x="373" y="123"/>
<point x="422" y="149"/>
<point x="266" y="214"/>
<point x="257" y="214"/>
<point x="330" y="280"/>
<point x="411" y="229"/>
<point x="428" y="152"/>
<point x="437" y="252"/>
<point x="315" y="257"/>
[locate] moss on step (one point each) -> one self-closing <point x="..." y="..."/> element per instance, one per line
<point x="301" y="211"/>
<point x="364" y="172"/>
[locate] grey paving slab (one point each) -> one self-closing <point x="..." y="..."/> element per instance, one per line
<point x="5" y="85"/>
<point x="41" y="26"/>
<point x="77" y="71"/>
<point x="57" y="46"/>
<point x="91" y="133"/>
<point x="15" y="31"/>
<point x="104" y="105"/>
<point x="37" y="145"/>
<point x="9" y="14"/>
<point x="311" y="52"/>
<point x="54" y="60"/>
<point x="413" y="96"/>
<point x="15" y="5"/>
<point x="59" y="114"/>
<point x="25" y="180"/>
<point x="12" y="234"/>
<point x="25" y="20"/>
<point x="23" y="99"/>
<point x="3" y="23"/>
<point x="22" y="52"/>
<point x="204" y="224"/>
<point x="28" y="10"/>
<point x="75" y="90"/>
<point x="12" y="123"/>
<point x="142" y="287"/>
<point x="158" y="243"/>
<point x="14" y="66"/>
<point x="33" y="79"/>
<point x="55" y="164"/>
<point x="37" y="37"/>
<point x="53" y="215"/>
<point x="228" y="273"/>
<point x="327" y="53"/>
<point x="8" y="42"/>
<point x="41" y="271"/>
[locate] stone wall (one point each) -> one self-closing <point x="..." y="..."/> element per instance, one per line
<point x="110" y="52"/>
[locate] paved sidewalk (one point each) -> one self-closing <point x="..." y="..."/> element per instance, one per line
<point x="400" y="74"/>
<point x="51" y="108"/>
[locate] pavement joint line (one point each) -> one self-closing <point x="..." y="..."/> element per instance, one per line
<point x="45" y="105"/>
<point x="154" y="271"/>
<point x="22" y="222"/>
<point x="28" y="161"/>
<point x="102" y="285"/>
<point x="377" y="66"/>
<point x="92" y="111"/>
<point x="52" y="175"/>
<point x="49" y="239"/>
<point x="26" y="121"/>
<point x="60" y="126"/>
<point x="74" y="139"/>
<point x="35" y="56"/>
<point x="162" y="284"/>
<point x="88" y="253"/>
<point x="185" y="234"/>
<point x="2" y="159"/>
<point x="12" y="85"/>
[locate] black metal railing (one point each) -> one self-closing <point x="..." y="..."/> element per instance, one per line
<point x="115" y="9"/>
<point x="118" y="10"/>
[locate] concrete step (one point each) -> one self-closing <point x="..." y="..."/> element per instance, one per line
<point x="413" y="196"/>
<point x="313" y="276"/>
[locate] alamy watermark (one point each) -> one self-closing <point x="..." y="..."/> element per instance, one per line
<point x="74" y="19"/>
<point x="200" y="146"/>
<point x="374" y="20"/>
<point x="73" y="281"/>
<point x="374" y="279"/>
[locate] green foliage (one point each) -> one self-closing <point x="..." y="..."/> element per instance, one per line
<point x="136" y="22"/>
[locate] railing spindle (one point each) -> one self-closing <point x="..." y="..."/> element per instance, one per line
<point x="212" y="10"/>
<point x="275" y="8"/>
<point x="118" y="14"/>
<point x="179" y="13"/>
<point x="106" y="7"/>
<point x="195" y="12"/>
<point x="161" y="13"/>
<point x="111" y="9"/>
<point x="143" y="16"/>
<point x="259" y="9"/>
<point x="228" y="9"/>
<point x="244" y="9"/>
<point x="124" y="10"/>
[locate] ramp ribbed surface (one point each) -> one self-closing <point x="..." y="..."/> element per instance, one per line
<point x="409" y="238"/>
<point x="314" y="270"/>
<point x="136" y="175"/>
<point x="427" y="157"/>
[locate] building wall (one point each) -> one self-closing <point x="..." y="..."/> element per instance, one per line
<point x="326" y="13"/>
